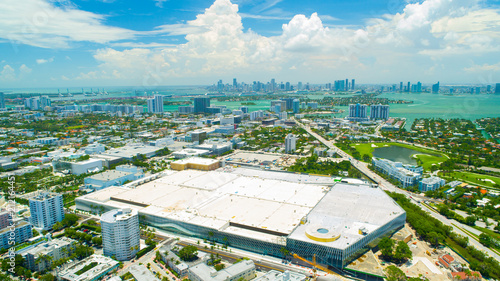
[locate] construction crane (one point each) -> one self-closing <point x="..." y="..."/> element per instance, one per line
<point x="317" y="266"/>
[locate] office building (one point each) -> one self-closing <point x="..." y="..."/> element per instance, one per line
<point x="379" y="111"/>
<point x="435" y="88"/>
<point x="262" y="211"/>
<point x="431" y="183"/>
<point x="296" y="106"/>
<point x="120" y="233"/>
<point x="201" y="104"/>
<point x="353" y="85"/>
<point x="290" y="142"/>
<point x="35" y="256"/>
<point x="155" y="104"/>
<point x="358" y="112"/>
<point x="407" y="175"/>
<point x="2" y="100"/>
<point x="46" y="209"/>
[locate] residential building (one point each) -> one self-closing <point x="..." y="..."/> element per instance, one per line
<point x="186" y="109"/>
<point x="407" y="175"/>
<point x="173" y="261"/>
<point x="435" y="88"/>
<point x="155" y="104"/>
<point x="119" y="176"/>
<point x="142" y="273"/>
<point x="358" y="112"/>
<point x="5" y="219"/>
<point x="290" y="143"/>
<point x="2" y="100"/>
<point x="201" y="104"/>
<point x="120" y="233"/>
<point x="462" y="276"/>
<point x="431" y="183"/>
<point x="296" y="106"/>
<point x="379" y="111"/>
<point x="35" y="256"/>
<point x="46" y="209"/>
<point x="22" y="232"/>
<point x="94" y="148"/>
<point x="97" y="267"/>
<point x="243" y="270"/>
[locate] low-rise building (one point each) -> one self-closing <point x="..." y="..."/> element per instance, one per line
<point x="37" y="258"/>
<point x="173" y="261"/>
<point x="109" y="178"/>
<point x="431" y="183"/>
<point x="89" y="269"/>
<point x="196" y="163"/>
<point x="190" y="152"/>
<point x="142" y="273"/>
<point x="274" y="275"/>
<point x="407" y="175"/>
<point x="244" y="270"/>
<point x="216" y="147"/>
<point x="78" y="168"/>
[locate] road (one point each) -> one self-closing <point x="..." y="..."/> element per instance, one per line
<point x="386" y="185"/>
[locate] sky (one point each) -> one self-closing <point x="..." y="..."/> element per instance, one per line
<point x="149" y="43"/>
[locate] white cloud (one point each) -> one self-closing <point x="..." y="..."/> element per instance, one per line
<point x="24" y="69"/>
<point x="42" y="61"/>
<point x="483" y="68"/>
<point x="8" y="73"/>
<point x="42" y="24"/>
<point x="399" y="46"/>
<point x="159" y="3"/>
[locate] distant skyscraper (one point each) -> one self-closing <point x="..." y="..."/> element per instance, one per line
<point x="235" y="84"/>
<point x="408" y="88"/>
<point x="2" y="100"/>
<point x="379" y="111"/>
<point x="296" y="106"/>
<point x="347" y="84"/>
<point x="290" y="142"/>
<point x="201" y="104"/>
<point x="353" y="84"/>
<point x="273" y="84"/>
<point x="497" y="88"/>
<point x="220" y="86"/>
<point x="299" y="86"/>
<point x="419" y="87"/>
<point x="155" y="104"/>
<point x="288" y="87"/>
<point x="400" y="86"/>
<point x="120" y="233"/>
<point x="435" y="88"/>
<point x="46" y="209"/>
<point x="488" y="88"/>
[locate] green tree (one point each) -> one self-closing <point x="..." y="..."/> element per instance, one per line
<point x="386" y="246"/>
<point x="188" y="253"/>
<point x="394" y="274"/>
<point x="485" y="240"/>
<point x="402" y="252"/>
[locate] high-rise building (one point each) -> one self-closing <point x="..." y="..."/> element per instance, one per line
<point x="408" y="87"/>
<point x="358" y="112"/>
<point x="296" y="106"/>
<point x="353" y="84"/>
<point x="488" y="88"/>
<point x="288" y="87"/>
<point x="46" y="209"/>
<point x="288" y="103"/>
<point x="120" y="233"/>
<point x="400" y="86"/>
<point x="299" y="86"/>
<point x="435" y="88"/>
<point x="201" y="104"/>
<point x="379" y="111"/>
<point x="290" y="142"/>
<point x="2" y="100"/>
<point x="497" y="88"/>
<point x="235" y="84"/>
<point x="155" y="104"/>
<point x="419" y="87"/>
<point x="244" y="109"/>
<point x="347" y="84"/>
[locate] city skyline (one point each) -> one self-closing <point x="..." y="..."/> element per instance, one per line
<point x="122" y="43"/>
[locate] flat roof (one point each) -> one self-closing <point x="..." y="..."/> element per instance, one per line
<point x="104" y="264"/>
<point x="345" y="210"/>
<point x="197" y="160"/>
<point x="109" y="175"/>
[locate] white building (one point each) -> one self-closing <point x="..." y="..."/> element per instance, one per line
<point x="227" y="120"/>
<point x="120" y="233"/>
<point x="290" y="142"/>
<point x="407" y="175"/>
<point x="431" y="183"/>
<point x="256" y="114"/>
<point x="244" y="270"/>
<point x="155" y="104"/>
<point x="46" y="209"/>
<point x="94" y="148"/>
<point x="283" y="115"/>
<point x="56" y="249"/>
<point x="101" y="266"/>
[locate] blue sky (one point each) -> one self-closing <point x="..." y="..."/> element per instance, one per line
<point x="48" y="43"/>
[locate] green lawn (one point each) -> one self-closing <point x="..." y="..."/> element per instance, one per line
<point x="488" y="231"/>
<point x="475" y="178"/>
<point x="427" y="159"/>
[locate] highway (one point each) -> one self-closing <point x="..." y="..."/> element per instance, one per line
<point x="386" y="185"/>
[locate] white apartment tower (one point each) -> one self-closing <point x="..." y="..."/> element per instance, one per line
<point x="46" y="209"/>
<point x="120" y="233"/>
<point x="290" y="141"/>
<point x="155" y="104"/>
